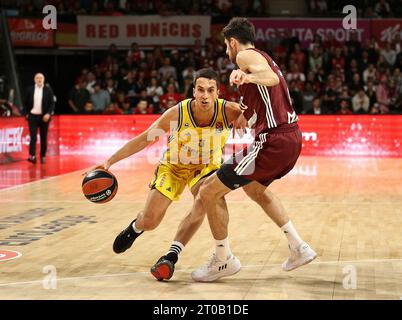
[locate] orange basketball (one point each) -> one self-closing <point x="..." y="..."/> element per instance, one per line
<point x="99" y="186"/>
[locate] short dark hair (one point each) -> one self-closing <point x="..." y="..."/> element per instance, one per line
<point x="241" y="29"/>
<point x="206" y="73"/>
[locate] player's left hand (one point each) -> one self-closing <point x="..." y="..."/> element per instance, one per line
<point x="46" y="117"/>
<point x="238" y="77"/>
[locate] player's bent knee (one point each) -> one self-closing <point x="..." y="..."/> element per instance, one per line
<point x="205" y="194"/>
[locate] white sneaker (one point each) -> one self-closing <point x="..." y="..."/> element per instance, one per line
<point x="299" y="257"/>
<point x="215" y="269"/>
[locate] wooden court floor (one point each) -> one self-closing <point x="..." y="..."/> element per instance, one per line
<point x="348" y="209"/>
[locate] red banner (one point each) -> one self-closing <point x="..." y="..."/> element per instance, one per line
<point x="386" y="30"/>
<point x="14" y="139"/>
<point x="371" y="136"/>
<point x="305" y="29"/>
<point x="29" y="33"/>
<point x="147" y="30"/>
<point x="363" y="135"/>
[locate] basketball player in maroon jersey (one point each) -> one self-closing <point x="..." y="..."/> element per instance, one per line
<point x="268" y="109"/>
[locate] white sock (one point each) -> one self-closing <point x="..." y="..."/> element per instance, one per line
<point x="135" y="229"/>
<point x="222" y="250"/>
<point x="176" y="247"/>
<point x="293" y="237"/>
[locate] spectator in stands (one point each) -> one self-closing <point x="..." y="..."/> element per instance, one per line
<point x="351" y="70"/>
<point x="134" y="54"/>
<point x="353" y="45"/>
<point x="308" y="95"/>
<point x="382" y="95"/>
<point x="389" y="54"/>
<point x="78" y="97"/>
<point x="143" y="95"/>
<point x="295" y="74"/>
<point x="7" y="109"/>
<point x="187" y="91"/>
<point x="89" y="108"/>
<point x="111" y="88"/>
<point x="394" y="96"/>
<point x="298" y="57"/>
<point x="188" y="71"/>
<point x="297" y="100"/>
<point x="382" y="9"/>
<point x="338" y="61"/>
<point x="364" y="60"/>
<point x="167" y="70"/>
<point x="345" y="109"/>
<point x="129" y="85"/>
<point x="100" y="98"/>
<point x="330" y="94"/>
<point x="112" y="108"/>
<point x="312" y="78"/>
<point x="143" y="107"/>
<point x="369" y="73"/>
<point x="317" y="108"/>
<point x="169" y="99"/>
<point x="315" y="60"/>
<point x="360" y="102"/>
<point x="91" y="80"/>
<point x="155" y="90"/>
<point x="344" y="95"/>
<point x="355" y="85"/>
<point x="370" y="92"/>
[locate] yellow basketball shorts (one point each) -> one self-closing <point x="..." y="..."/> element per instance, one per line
<point x="170" y="180"/>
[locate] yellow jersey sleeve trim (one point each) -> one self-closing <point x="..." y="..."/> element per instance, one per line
<point x="225" y="119"/>
<point x="180" y="116"/>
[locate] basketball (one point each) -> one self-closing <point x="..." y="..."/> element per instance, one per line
<point x="99" y="186"/>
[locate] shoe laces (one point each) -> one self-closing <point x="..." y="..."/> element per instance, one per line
<point x="211" y="261"/>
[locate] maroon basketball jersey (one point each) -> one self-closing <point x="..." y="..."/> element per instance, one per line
<point x="267" y="107"/>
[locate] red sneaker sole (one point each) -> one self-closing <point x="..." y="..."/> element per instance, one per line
<point x="162" y="271"/>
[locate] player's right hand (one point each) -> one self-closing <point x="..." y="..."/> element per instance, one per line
<point x="237" y="77"/>
<point x="104" y="166"/>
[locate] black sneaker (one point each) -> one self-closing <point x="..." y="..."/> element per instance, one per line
<point x="164" y="268"/>
<point x="32" y="159"/>
<point x="125" y="239"/>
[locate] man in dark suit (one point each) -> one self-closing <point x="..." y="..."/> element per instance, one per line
<point x="38" y="108"/>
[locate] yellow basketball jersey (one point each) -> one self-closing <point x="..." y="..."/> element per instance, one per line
<point x="191" y="145"/>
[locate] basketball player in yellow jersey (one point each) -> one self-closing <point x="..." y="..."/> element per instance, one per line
<point x="202" y="126"/>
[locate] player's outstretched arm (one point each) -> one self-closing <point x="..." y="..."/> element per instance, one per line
<point x="152" y="134"/>
<point x="254" y="68"/>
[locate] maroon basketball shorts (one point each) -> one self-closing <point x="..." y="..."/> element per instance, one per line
<point x="273" y="155"/>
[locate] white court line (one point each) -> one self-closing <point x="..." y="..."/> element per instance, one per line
<point x="40" y="180"/>
<point x="184" y="270"/>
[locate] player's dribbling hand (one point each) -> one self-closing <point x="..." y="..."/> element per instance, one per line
<point x="104" y="166"/>
<point x="238" y="77"/>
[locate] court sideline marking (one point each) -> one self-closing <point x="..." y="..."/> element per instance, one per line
<point x="184" y="270"/>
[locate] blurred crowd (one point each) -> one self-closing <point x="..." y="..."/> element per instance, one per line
<point x="327" y="77"/>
